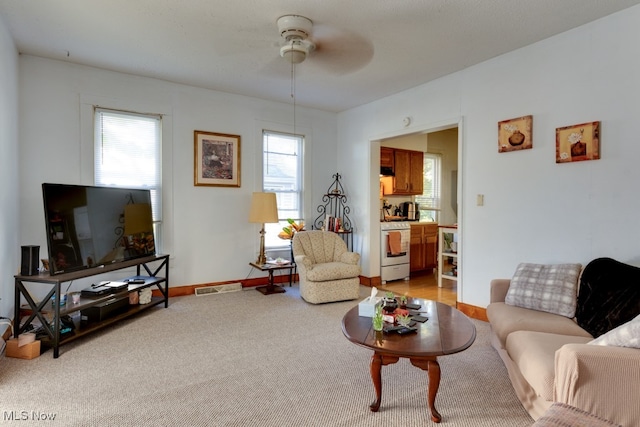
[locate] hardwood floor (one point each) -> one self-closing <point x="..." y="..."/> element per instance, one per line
<point x="424" y="286"/>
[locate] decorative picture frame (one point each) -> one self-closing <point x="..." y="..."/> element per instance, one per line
<point x="578" y="142"/>
<point x="216" y="159"/>
<point x="515" y="134"/>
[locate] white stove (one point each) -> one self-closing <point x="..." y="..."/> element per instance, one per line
<point x="394" y="250"/>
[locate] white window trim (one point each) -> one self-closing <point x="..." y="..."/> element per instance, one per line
<point x="301" y="129"/>
<point x="87" y="105"/>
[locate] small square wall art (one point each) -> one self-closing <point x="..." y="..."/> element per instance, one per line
<point x="515" y="134"/>
<point x="578" y="142"/>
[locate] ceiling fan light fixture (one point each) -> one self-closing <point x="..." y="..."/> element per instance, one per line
<point x="295" y="51"/>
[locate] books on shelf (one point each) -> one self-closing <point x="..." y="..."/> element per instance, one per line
<point x="332" y="223"/>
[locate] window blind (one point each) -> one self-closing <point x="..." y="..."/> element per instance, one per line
<point x="430" y="198"/>
<point x="127" y="152"/>
<point x="282" y="174"/>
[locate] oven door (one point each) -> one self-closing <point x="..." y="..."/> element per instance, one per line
<point x="395" y="247"/>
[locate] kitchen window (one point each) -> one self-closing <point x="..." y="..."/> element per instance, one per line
<point x="429" y="201"/>
<point x="282" y="174"/>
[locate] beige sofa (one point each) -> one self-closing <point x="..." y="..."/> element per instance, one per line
<point x="548" y="360"/>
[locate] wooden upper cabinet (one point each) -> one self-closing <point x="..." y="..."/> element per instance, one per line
<point x="416" y="178"/>
<point x="402" y="171"/>
<point x="386" y="157"/>
<point x="408" y="167"/>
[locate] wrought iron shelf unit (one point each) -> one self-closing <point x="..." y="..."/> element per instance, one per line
<point x="334" y="212"/>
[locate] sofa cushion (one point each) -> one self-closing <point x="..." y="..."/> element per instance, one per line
<point x="609" y="295"/>
<point x="545" y="287"/>
<point x="625" y="335"/>
<point x="534" y="354"/>
<point x="506" y="319"/>
<point x="332" y="271"/>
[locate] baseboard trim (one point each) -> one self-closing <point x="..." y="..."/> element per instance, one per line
<point x="472" y="311"/>
<point x="7" y="333"/>
<point x="179" y="291"/>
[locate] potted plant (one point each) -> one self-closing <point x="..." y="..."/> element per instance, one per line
<point x="403" y="302"/>
<point x="377" y="318"/>
<point x="389" y="303"/>
<point x="403" y="320"/>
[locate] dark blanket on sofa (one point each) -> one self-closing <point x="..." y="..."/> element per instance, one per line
<point x="609" y="295"/>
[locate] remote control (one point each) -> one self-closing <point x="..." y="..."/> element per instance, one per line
<point x="404" y="331"/>
<point x="135" y="281"/>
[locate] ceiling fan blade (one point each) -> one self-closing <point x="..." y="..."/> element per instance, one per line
<point x="339" y="51"/>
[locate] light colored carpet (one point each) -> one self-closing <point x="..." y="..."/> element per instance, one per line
<point x="246" y="359"/>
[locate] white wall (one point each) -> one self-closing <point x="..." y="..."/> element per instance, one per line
<point x="535" y="210"/>
<point x="206" y="228"/>
<point x="9" y="246"/>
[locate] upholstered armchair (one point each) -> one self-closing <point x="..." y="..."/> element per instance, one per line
<point x="327" y="271"/>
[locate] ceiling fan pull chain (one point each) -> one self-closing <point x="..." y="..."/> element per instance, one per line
<point x="293" y="95"/>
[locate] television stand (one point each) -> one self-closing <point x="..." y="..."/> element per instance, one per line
<point x="50" y="314"/>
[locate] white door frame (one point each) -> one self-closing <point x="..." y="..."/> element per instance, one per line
<point x="374" y="146"/>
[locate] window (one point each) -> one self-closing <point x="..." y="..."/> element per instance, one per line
<point x="127" y="153"/>
<point x="282" y="174"/>
<point x="429" y="200"/>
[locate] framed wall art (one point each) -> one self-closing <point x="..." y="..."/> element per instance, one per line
<point x="578" y="142"/>
<point x="217" y="159"/>
<point x="515" y="134"/>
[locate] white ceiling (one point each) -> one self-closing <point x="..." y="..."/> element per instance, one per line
<point x="367" y="49"/>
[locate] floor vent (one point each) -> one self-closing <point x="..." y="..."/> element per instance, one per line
<point x="218" y="289"/>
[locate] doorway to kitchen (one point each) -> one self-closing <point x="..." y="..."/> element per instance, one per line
<point x="441" y="205"/>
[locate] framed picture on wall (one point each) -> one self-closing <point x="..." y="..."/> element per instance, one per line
<point x="515" y="134"/>
<point x="578" y="142"/>
<point x="217" y="159"/>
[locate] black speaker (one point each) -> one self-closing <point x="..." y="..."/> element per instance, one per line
<point x="30" y="260"/>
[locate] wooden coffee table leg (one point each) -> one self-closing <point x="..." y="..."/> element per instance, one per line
<point x="376" y="376"/>
<point x="434" y="384"/>
<point x="377" y="361"/>
<point x="432" y="367"/>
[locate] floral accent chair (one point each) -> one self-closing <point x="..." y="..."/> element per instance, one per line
<point x="327" y="271"/>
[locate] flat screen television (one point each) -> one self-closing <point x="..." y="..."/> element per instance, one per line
<point x="89" y="226"/>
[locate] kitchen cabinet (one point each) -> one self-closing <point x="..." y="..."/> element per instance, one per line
<point x="423" y="243"/>
<point x="408" y="168"/>
<point x="386" y="157"/>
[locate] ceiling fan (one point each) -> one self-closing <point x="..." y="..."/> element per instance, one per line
<point x="337" y="51"/>
<point x="295" y="29"/>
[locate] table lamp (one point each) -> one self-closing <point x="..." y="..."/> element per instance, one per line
<point x="264" y="209"/>
<point x="138" y="225"/>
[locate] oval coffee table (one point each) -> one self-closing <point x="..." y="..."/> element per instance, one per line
<point x="446" y="331"/>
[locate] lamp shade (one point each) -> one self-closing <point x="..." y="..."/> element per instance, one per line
<point x="264" y="208"/>
<point x="137" y="219"/>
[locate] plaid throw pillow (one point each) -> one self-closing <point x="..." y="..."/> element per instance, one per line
<point x="544" y="287"/>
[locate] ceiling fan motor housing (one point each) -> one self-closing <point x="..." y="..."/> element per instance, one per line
<point x="294" y="27"/>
